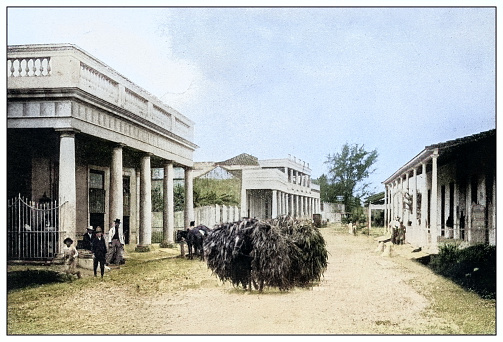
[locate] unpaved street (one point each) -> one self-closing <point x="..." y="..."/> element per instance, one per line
<point x="361" y="293"/>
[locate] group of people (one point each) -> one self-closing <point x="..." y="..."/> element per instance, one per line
<point x="94" y="241"/>
<point x="397" y="231"/>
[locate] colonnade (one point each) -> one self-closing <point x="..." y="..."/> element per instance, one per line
<point x="274" y="203"/>
<point x="295" y="205"/>
<point x="401" y="199"/>
<point x="68" y="195"/>
<point x="299" y="178"/>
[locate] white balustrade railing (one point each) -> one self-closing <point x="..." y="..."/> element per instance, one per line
<point x="68" y="66"/>
<point x="181" y="127"/>
<point x="29" y="67"/>
<point x="135" y="103"/>
<point x="161" y="117"/>
<point x="95" y="82"/>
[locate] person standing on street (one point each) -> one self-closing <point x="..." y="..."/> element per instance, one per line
<point x="115" y="243"/>
<point x="70" y="253"/>
<point x="88" y="238"/>
<point x="99" y="249"/>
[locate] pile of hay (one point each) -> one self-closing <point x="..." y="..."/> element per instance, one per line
<point x="282" y="253"/>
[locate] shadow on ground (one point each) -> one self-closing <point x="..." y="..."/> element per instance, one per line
<point x="31" y="278"/>
<point x="473" y="268"/>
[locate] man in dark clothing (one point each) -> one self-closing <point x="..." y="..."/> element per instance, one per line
<point x="88" y="238"/>
<point x="99" y="249"/>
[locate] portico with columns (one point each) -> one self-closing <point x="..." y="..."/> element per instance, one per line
<point x="279" y="187"/>
<point x="80" y="133"/>
<point x="447" y="192"/>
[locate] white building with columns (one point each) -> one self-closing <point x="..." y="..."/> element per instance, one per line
<point x="447" y="192"/>
<point x="82" y="134"/>
<point x="272" y="187"/>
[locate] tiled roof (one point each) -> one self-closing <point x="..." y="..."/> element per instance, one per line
<point x="242" y="159"/>
<point x="465" y="140"/>
<point x="447" y="150"/>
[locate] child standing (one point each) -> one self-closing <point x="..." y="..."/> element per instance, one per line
<point x="70" y="254"/>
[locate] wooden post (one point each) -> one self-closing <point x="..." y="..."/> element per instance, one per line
<point x="370" y="217"/>
<point x="182" y="248"/>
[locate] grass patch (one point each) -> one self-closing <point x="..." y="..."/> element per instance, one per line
<point x="473" y="268"/>
<point x="38" y="295"/>
<point x="466" y="296"/>
<point x="474" y="314"/>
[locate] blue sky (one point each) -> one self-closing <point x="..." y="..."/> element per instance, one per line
<point x="301" y="81"/>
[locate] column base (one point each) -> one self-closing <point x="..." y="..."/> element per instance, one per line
<point x="142" y="249"/>
<point x="167" y="245"/>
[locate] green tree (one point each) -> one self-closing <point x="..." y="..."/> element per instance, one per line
<point x="348" y="170"/>
<point x="216" y="191"/>
<point x="157" y="198"/>
<point x="179" y="197"/>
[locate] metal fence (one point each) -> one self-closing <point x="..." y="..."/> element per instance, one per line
<point x="32" y="229"/>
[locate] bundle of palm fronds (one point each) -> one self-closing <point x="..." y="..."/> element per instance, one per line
<point x="227" y="253"/>
<point x="311" y="258"/>
<point x="271" y="265"/>
<point x="281" y="253"/>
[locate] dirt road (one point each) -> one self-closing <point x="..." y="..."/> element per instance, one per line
<point x="361" y="293"/>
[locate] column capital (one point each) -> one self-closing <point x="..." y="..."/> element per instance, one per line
<point x="119" y="145"/>
<point x="435" y="154"/>
<point x="67" y="132"/>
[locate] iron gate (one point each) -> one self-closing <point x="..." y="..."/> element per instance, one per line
<point x="32" y="229"/>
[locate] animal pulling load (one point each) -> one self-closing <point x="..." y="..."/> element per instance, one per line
<point x="281" y="253"/>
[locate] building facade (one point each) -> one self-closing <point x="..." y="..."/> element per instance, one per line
<point x="270" y="188"/>
<point x="84" y="136"/>
<point x="447" y="192"/>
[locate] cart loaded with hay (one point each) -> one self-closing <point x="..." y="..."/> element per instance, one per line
<point x="281" y="253"/>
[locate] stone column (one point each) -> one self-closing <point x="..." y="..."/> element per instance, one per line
<point x="434" y="199"/>
<point x="116" y="191"/>
<point x="189" y="197"/>
<point x="396" y="204"/>
<point x="386" y="187"/>
<point x="67" y="185"/>
<point x="414" y="200"/>
<point x="392" y="201"/>
<point x="281" y="198"/>
<point x="138" y="204"/>
<point x="414" y="225"/>
<point x="400" y="200"/>
<point x="308" y="207"/>
<point x="274" y="205"/>
<point x="145" y="228"/>
<point x="285" y="203"/>
<point x="424" y="205"/>
<point x="301" y="206"/>
<point x="406" y="219"/>
<point x="455" y="214"/>
<point x="244" y="202"/>
<point x="168" y="222"/>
